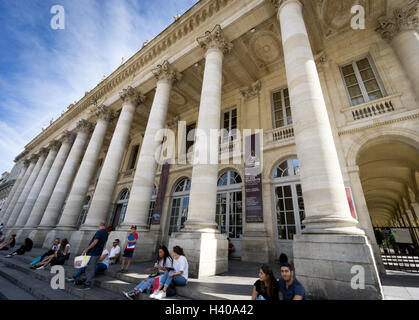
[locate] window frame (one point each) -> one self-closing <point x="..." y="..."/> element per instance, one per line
<point x="230" y="112"/>
<point x="284" y="107"/>
<point x="360" y="81"/>
<point x="135" y="150"/>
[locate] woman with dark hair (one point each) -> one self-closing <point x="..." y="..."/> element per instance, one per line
<point x="267" y="287"/>
<point x="58" y="258"/>
<point x="164" y="262"/>
<point x="26" y="247"/>
<point x="9" y="244"/>
<point x="179" y="275"/>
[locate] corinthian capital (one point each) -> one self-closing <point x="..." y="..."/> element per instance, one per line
<point x="215" y="39"/>
<point x="402" y="19"/>
<point x="165" y="72"/>
<point x="84" y="126"/>
<point x="26" y="162"/>
<point x="54" y="145"/>
<point x="252" y="91"/>
<point x="132" y="95"/>
<point x="34" y="158"/>
<point x="103" y="112"/>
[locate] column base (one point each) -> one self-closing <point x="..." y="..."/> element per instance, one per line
<point x="38" y="237"/>
<point x="22" y="234"/>
<point x="323" y="264"/>
<point x="255" y="248"/>
<point x="207" y="253"/>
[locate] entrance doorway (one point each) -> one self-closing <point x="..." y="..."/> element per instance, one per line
<point x="179" y="206"/>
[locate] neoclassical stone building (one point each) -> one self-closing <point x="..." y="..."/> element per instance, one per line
<point x="338" y="107"/>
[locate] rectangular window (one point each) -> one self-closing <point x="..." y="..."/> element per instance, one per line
<point x="189" y="128"/>
<point x="230" y="124"/>
<point x="281" y="108"/>
<point x="133" y="158"/>
<point x="362" y="82"/>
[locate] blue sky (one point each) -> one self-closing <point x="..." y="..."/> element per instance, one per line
<point x="43" y="70"/>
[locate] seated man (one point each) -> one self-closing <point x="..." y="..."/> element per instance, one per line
<point x="115" y="251"/>
<point x="290" y="287"/>
<point x="102" y="265"/>
<point x="231" y="248"/>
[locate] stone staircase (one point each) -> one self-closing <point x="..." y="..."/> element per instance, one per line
<point x="36" y="283"/>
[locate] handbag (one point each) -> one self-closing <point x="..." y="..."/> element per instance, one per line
<point x="154" y="274"/>
<point x="81" y="261"/>
<point x="156" y="284"/>
<point x="37" y="260"/>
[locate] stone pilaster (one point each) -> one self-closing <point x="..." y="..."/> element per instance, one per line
<point x="331" y="243"/>
<point x="206" y="248"/>
<point x="401" y="30"/>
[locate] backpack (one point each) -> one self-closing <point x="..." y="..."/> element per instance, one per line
<point x="171" y="290"/>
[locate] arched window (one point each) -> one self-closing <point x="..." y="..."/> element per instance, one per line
<point x="84" y="211"/>
<point x="152" y="204"/>
<point x="120" y="209"/>
<point x="288" y="197"/>
<point x="180" y="204"/>
<point x="229" y="215"/>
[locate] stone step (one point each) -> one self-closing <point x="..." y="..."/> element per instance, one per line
<point x="40" y="290"/>
<point x="102" y="282"/>
<point x="9" y="291"/>
<point x="44" y="276"/>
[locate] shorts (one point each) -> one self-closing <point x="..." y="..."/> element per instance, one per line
<point x="128" y="253"/>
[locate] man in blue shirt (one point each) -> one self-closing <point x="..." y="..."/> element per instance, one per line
<point x="290" y="287"/>
<point x="94" y="250"/>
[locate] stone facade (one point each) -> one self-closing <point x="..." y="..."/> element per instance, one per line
<point x="337" y="106"/>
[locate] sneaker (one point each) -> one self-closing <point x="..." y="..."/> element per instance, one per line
<point x="84" y="287"/>
<point x="130" y="295"/>
<point x="40" y="268"/>
<point x="160" y="295"/>
<point x="8" y="256"/>
<point x="154" y="294"/>
<point x="71" y="279"/>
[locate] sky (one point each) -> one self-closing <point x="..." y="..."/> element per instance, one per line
<point x="43" y="70"/>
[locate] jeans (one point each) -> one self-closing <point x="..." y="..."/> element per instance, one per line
<point x="99" y="267"/>
<point x="166" y="280"/>
<point x="91" y="269"/>
<point x="146" y="283"/>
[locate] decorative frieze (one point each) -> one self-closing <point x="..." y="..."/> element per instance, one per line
<point x="84" y="126"/>
<point x="215" y="39"/>
<point x="252" y="91"/>
<point x="402" y="19"/>
<point x="165" y="72"/>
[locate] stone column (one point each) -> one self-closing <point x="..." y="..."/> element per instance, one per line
<point x="36" y="189"/>
<point x="44" y="196"/>
<point x="13" y="192"/>
<point x="331" y="244"/>
<point x="86" y="171"/>
<point x="206" y="248"/>
<point x="40" y="159"/>
<point x="401" y="29"/>
<point x="56" y="202"/>
<point x="142" y="188"/>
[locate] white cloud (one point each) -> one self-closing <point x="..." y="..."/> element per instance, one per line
<point x="57" y="67"/>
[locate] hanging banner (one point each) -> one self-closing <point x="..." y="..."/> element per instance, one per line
<point x="161" y="193"/>
<point x="351" y="203"/>
<point x="253" y="178"/>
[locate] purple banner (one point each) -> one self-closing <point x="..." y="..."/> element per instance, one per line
<point x="158" y="207"/>
<point x="253" y="178"/>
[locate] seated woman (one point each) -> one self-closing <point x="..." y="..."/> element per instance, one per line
<point x="26" y="247"/>
<point x="58" y="258"/>
<point x="9" y="244"/>
<point x="267" y="287"/>
<point x="163" y="263"/>
<point x="179" y="275"/>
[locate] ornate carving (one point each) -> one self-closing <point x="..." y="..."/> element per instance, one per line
<point x="34" y="158"/>
<point x="265" y="47"/>
<point x="252" y="91"/>
<point x="84" y="126"/>
<point x="215" y="39"/>
<point x="165" y="72"/>
<point x="173" y="123"/>
<point x="130" y="94"/>
<point x="44" y="151"/>
<point x="402" y="19"/>
<point x="177" y="98"/>
<point x="27" y="162"/>
<point x="67" y="136"/>
<point x="277" y="3"/>
<point x="54" y="145"/>
<point x="103" y="112"/>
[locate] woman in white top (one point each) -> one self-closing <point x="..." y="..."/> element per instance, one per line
<point x="163" y="264"/>
<point x="179" y="275"/>
<point x="58" y="258"/>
